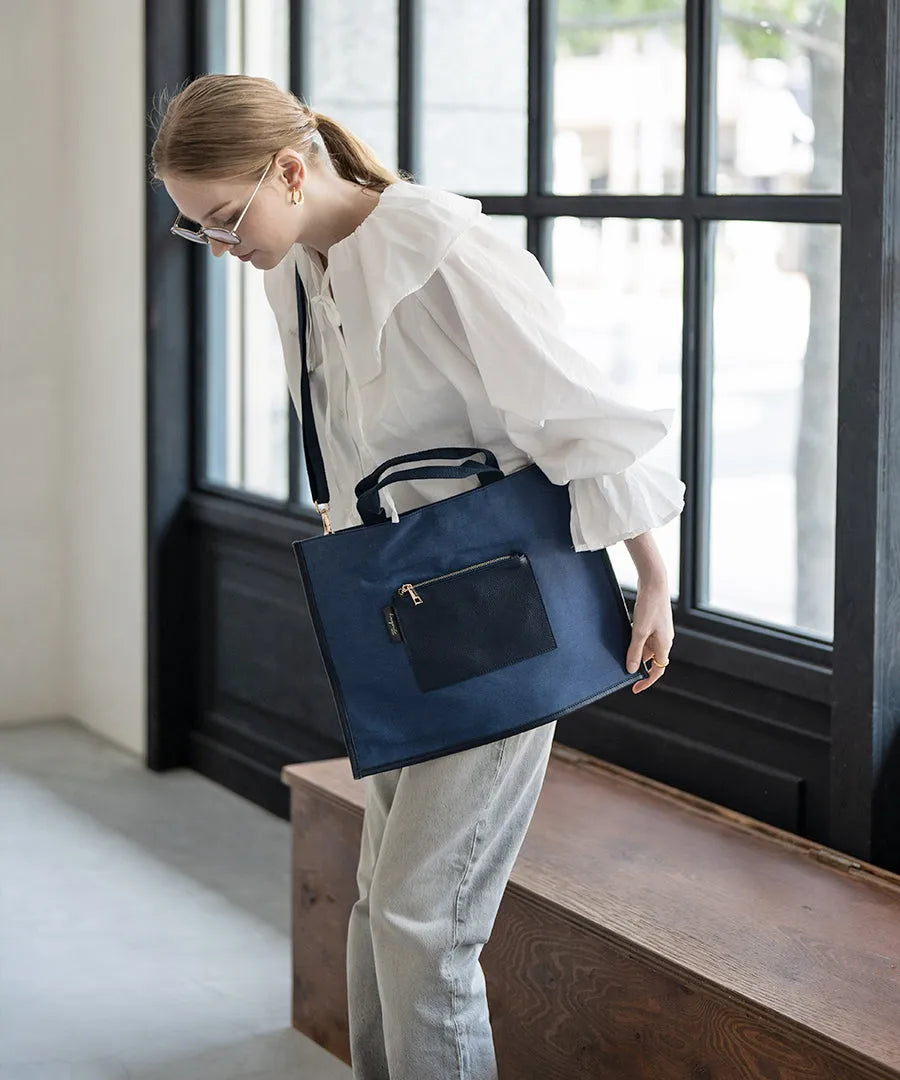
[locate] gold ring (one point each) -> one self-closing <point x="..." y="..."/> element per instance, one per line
<point x="658" y="664"/>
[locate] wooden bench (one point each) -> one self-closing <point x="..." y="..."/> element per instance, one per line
<point x="645" y="934"/>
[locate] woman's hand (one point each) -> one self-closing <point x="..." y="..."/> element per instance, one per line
<point x="652" y="630"/>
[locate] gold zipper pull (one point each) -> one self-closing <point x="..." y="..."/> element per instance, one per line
<point x="416" y="599"/>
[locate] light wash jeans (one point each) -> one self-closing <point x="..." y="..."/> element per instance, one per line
<point x="439" y="842"/>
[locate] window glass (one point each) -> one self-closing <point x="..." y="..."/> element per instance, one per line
<point x="779" y="93"/>
<point x="618" y="97"/>
<point x="774" y="422"/>
<point x="621" y="284"/>
<point x="352" y="69"/>
<point x="246" y="397"/>
<point x="475" y="95"/>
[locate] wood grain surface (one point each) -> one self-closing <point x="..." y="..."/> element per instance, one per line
<point x="644" y="933"/>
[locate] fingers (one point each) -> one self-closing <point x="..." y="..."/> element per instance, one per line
<point x="648" y="654"/>
<point x="637" y="651"/>
<point x="644" y="648"/>
<point x="645" y="684"/>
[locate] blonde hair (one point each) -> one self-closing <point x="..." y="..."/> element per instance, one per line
<point x="222" y="127"/>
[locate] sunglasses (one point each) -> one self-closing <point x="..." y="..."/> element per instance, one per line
<point x="219" y="233"/>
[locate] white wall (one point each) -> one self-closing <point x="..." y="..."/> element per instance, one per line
<point x="33" y="419"/>
<point x="72" y="507"/>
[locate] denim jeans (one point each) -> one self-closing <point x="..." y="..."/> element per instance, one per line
<point x="439" y="842"/>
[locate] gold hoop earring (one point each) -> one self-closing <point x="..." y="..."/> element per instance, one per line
<point x="296" y="197"/>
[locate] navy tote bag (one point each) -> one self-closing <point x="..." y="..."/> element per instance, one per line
<point x="470" y="619"/>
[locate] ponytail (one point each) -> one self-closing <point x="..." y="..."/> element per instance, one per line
<point x="351" y="157"/>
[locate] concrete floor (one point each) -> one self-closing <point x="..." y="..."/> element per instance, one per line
<point x="144" y="922"/>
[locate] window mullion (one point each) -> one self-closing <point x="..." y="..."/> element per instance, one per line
<point x="697" y="68"/>
<point x="539" y="140"/>
<point x="409" y="86"/>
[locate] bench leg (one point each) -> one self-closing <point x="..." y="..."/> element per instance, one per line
<point x="363" y="1000"/>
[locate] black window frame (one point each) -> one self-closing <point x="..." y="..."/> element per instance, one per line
<point x="854" y="680"/>
<point x="539" y="206"/>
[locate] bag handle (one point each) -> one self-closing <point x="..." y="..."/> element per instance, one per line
<point x="436" y="453"/>
<point x="369" y="505"/>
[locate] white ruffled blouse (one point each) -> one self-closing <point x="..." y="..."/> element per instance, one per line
<point x="429" y="329"/>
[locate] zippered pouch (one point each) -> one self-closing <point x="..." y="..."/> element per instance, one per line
<point x="470" y="621"/>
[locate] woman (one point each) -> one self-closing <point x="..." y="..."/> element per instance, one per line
<point x="426" y="329"/>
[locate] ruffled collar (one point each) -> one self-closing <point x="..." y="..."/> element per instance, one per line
<point x="391" y="254"/>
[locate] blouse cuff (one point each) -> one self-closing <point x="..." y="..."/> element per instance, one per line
<point x="619" y="506"/>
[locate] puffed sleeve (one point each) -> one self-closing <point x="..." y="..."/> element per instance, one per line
<point x="497" y="305"/>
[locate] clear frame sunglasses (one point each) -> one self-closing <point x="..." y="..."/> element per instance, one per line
<point x="219" y="233"/>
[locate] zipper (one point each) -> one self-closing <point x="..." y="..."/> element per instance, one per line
<point x="416" y="599"/>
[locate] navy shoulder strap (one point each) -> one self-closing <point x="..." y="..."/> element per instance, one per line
<point x="315" y="466"/>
